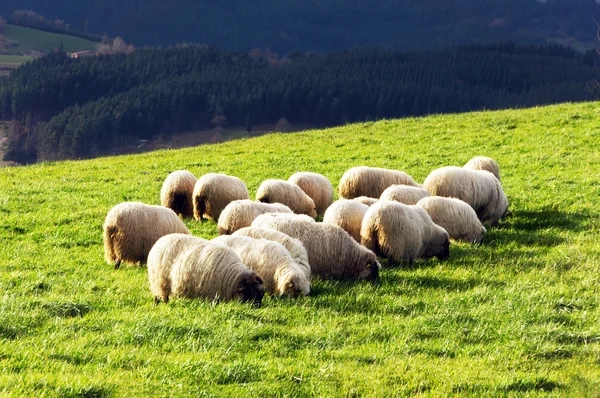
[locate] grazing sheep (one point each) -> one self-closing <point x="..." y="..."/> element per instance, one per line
<point x="317" y="187"/>
<point x="455" y="216"/>
<point x="160" y="261"/>
<point x="176" y="193"/>
<point x="404" y="194"/>
<point x="213" y="192"/>
<point x="348" y="215"/>
<point x="280" y="191"/>
<point x="479" y="188"/>
<point x="332" y="253"/>
<point x="294" y="246"/>
<point x="365" y="200"/>
<point x="484" y="163"/>
<point x="272" y="262"/>
<point x="201" y="270"/>
<point x="371" y="181"/>
<point x="401" y="232"/>
<point x="131" y="229"/>
<point x="240" y="213"/>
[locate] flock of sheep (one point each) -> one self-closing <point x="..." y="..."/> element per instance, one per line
<point x="275" y="245"/>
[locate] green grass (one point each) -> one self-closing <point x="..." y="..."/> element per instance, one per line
<point x="518" y="315"/>
<point x="14" y="59"/>
<point x="38" y="40"/>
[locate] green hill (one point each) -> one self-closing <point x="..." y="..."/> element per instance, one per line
<point x="28" y="39"/>
<point x="517" y="315"/>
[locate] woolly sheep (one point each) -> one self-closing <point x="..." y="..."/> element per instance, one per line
<point x="479" y="188"/>
<point x="280" y="191"/>
<point x="404" y="194"/>
<point x="201" y="270"/>
<point x="272" y="262"/>
<point x="484" y="163"/>
<point x="176" y="193"/>
<point x="240" y="213"/>
<point x="213" y="192"/>
<point x="332" y="253"/>
<point x="294" y="246"/>
<point x="371" y="181"/>
<point x="348" y="215"/>
<point x="317" y="187"/>
<point x="365" y="200"/>
<point x="402" y="232"/>
<point x="131" y="229"/>
<point x="455" y="216"/>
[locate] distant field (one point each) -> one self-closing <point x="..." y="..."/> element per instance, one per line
<point x="37" y="40"/>
<point x="14" y="59"/>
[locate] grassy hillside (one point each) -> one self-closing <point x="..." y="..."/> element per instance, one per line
<point x="515" y="316"/>
<point x="28" y="39"/>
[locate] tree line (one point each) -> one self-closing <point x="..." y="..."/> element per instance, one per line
<point x="69" y="108"/>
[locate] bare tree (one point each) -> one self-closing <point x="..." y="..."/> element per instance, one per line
<point x="117" y="46"/>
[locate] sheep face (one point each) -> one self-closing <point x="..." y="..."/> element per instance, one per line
<point x="371" y="270"/>
<point x="444" y="251"/>
<point x="313" y="212"/>
<point x="251" y="288"/>
<point x="439" y="248"/>
<point x="296" y="287"/>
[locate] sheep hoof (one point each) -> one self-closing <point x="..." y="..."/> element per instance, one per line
<point x="156" y="300"/>
<point x="117" y="264"/>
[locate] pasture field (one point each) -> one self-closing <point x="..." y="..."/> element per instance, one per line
<point x="38" y="40"/>
<point x="14" y="59"/>
<point x="518" y="315"/>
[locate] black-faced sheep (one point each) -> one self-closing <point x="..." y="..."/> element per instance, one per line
<point x="455" y="216"/>
<point x="404" y="194"/>
<point x="176" y="193"/>
<point x="272" y="262"/>
<point x="332" y="253"/>
<point x="484" y="163"/>
<point x="346" y="214"/>
<point x="201" y="270"/>
<point x="280" y="191"/>
<point x="403" y="233"/>
<point x="371" y="181"/>
<point x="317" y="187"/>
<point x="479" y="188"/>
<point x="240" y="213"/>
<point x="131" y="229"/>
<point x="213" y="192"/>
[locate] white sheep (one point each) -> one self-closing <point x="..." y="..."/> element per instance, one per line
<point x="280" y="191"/>
<point x="294" y="246"/>
<point x="404" y="194"/>
<point x="346" y="214"/>
<point x="199" y="269"/>
<point x="371" y="181"/>
<point x="213" y="192"/>
<point x="272" y="262"/>
<point x="131" y="229"/>
<point x="455" y="216"/>
<point x="401" y="232"/>
<point x="317" y="187"/>
<point x="240" y="213"/>
<point x="365" y="200"/>
<point x="332" y="253"/>
<point x="176" y="193"/>
<point x="484" y="163"/>
<point x="479" y="188"/>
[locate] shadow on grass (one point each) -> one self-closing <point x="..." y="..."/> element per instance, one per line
<point x="545" y="218"/>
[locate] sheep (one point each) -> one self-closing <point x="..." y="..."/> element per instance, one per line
<point x="160" y="261"/>
<point x="317" y="187"/>
<point x="332" y="253"/>
<point x="240" y="213"/>
<point x="176" y="193"/>
<point x="213" y="192"/>
<point x="404" y="194"/>
<point x="131" y="228"/>
<point x="371" y="181"/>
<point x="348" y="215"/>
<point x="280" y="191"/>
<point x="365" y="200"/>
<point x="455" y="216"/>
<point x="484" y="163"/>
<point x="272" y="262"/>
<point x="197" y="269"/>
<point x="294" y="246"/>
<point x="401" y="232"/>
<point x="479" y="188"/>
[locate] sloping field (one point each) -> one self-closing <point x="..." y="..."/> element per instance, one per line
<point x="518" y="315"/>
<point x="28" y="39"/>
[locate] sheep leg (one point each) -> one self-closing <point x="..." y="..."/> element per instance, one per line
<point x="156" y="300"/>
<point x="117" y="264"/>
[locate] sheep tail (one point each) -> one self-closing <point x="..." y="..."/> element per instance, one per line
<point x="110" y="234"/>
<point x="199" y="207"/>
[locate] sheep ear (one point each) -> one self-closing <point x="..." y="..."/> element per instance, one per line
<point x="259" y="280"/>
<point x="291" y="285"/>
